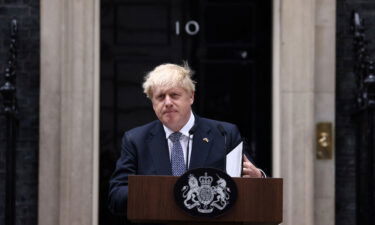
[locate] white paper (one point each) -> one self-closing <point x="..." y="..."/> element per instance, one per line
<point x="234" y="161"/>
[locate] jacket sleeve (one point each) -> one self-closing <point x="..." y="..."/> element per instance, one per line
<point x="118" y="185"/>
<point x="236" y="138"/>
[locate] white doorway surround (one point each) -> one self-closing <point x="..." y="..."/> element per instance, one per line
<point x="304" y="37"/>
<point x="69" y="109"/>
<point x="303" y="94"/>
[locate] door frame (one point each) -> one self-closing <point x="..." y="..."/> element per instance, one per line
<point x="69" y="110"/>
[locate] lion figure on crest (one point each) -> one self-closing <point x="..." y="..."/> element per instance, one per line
<point x="190" y="193"/>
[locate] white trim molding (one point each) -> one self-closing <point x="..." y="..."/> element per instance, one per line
<point x="293" y="106"/>
<point x="303" y="95"/>
<point x="69" y="109"/>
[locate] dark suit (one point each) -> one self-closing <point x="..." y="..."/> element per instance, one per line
<point x="145" y="151"/>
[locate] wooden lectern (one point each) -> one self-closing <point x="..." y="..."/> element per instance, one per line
<point x="151" y="199"/>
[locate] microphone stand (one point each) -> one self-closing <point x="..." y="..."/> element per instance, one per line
<point x="191" y="132"/>
<point x="224" y="133"/>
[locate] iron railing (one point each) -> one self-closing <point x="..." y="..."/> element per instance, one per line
<point x="364" y="116"/>
<point x="9" y="109"/>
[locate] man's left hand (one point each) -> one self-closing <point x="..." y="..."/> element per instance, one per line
<point x="249" y="170"/>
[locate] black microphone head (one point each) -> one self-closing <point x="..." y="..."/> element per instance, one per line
<point x="193" y="129"/>
<point x="221" y="129"/>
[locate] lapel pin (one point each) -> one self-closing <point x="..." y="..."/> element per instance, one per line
<point x="206" y="140"/>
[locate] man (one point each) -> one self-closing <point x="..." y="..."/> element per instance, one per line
<point x="160" y="147"/>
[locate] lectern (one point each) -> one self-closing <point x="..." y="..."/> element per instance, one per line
<point x="151" y="199"/>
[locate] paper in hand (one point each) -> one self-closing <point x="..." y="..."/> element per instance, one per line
<point x="234" y="161"/>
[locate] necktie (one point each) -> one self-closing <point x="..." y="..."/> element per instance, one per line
<point x="177" y="156"/>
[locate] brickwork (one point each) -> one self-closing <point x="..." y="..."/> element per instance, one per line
<point x="346" y="125"/>
<point x="27" y="14"/>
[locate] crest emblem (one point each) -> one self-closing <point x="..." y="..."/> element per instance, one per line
<point x="205" y="192"/>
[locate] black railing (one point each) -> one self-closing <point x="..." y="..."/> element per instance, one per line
<point x="364" y="117"/>
<point x="9" y="109"/>
<point x="364" y="66"/>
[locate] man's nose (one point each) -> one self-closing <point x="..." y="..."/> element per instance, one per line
<point x="168" y="100"/>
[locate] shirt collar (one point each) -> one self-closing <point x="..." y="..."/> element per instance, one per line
<point x="184" y="130"/>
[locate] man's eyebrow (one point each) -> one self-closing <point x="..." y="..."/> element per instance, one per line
<point x="160" y="94"/>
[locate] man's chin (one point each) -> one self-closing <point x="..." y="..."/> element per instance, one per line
<point x="169" y="114"/>
<point x="170" y="123"/>
<point x="169" y="117"/>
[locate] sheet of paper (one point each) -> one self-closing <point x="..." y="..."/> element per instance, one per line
<point x="234" y="161"/>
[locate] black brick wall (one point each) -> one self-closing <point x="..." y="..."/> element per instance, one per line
<point x="27" y="14"/>
<point x="346" y="124"/>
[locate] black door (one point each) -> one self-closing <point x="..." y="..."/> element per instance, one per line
<point x="226" y="42"/>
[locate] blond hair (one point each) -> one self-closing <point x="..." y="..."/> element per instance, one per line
<point x="169" y="75"/>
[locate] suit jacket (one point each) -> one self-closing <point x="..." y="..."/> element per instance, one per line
<point x="145" y="151"/>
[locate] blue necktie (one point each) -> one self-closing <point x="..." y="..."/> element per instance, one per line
<point x="177" y="156"/>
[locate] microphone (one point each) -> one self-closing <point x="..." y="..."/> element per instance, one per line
<point x="224" y="133"/>
<point x="191" y="132"/>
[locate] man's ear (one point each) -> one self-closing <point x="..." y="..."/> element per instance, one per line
<point x="192" y="97"/>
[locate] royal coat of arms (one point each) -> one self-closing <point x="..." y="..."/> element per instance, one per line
<point x="206" y="194"/>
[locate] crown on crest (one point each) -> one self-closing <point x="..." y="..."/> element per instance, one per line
<point x="205" y="180"/>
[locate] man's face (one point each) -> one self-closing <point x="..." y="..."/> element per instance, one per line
<point x="172" y="106"/>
